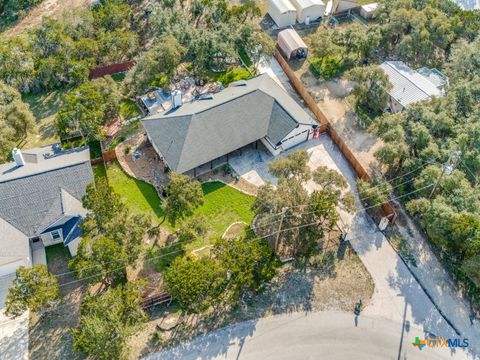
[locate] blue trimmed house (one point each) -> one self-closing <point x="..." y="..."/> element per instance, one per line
<point x="40" y="203"/>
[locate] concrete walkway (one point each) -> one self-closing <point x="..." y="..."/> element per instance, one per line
<point x="325" y="335"/>
<point x="398" y="296"/>
<point x="14" y="337"/>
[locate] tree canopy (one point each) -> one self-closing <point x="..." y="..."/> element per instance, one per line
<point x="195" y="284"/>
<point x="112" y="238"/>
<point x="32" y="289"/>
<point x="419" y="144"/>
<point x="183" y="196"/>
<point x="156" y="66"/>
<point x="16" y="120"/>
<point x="371" y="88"/>
<point x="107" y="321"/>
<point x="317" y="210"/>
<point x="62" y="52"/>
<point x="213" y="32"/>
<point x="87" y="108"/>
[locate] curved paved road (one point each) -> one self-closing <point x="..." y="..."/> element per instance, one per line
<point x="323" y="335"/>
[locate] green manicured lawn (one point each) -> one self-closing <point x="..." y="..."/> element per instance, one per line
<point x="99" y="171"/>
<point x="138" y="195"/>
<point x="223" y="204"/>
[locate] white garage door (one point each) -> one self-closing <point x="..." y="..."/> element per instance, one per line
<point x="295" y="139"/>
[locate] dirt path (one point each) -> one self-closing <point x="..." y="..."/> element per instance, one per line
<point x="331" y="98"/>
<point x="47" y="8"/>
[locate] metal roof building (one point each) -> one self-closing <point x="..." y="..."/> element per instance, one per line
<point x="409" y="86"/>
<point x="309" y="10"/>
<point x="203" y="131"/>
<point x="282" y="12"/>
<point x="292" y="44"/>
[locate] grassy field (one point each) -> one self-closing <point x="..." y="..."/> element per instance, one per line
<point x="44" y="106"/>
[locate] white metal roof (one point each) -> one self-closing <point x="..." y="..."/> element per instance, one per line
<point x="370" y="7"/>
<point x="308" y="3"/>
<point x="289" y="40"/>
<point x="409" y="86"/>
<point x="283" y="6"/>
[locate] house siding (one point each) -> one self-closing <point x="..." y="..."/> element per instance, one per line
<point x="298" y="135"/>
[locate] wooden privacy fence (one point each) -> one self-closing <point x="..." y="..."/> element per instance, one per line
<point x="106" y="157"/>
<point x="157" y="299"/>
<point x="111" y="69"/>
<point x="387" y="208"/>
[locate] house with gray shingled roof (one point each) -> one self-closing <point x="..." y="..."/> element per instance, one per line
<point x="201" y="135"/>
<point x="40" y="203"/>
<point x="411" y="86"/>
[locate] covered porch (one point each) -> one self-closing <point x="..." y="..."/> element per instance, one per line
<point x="224" y="160"/>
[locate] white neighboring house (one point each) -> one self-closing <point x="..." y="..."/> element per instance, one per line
<point x="411" y="86"/>
<point x="40" y="205"/>
<point x="201" y="135"/>
<point x="308" y="10"/>
<point x="282" y="12"/>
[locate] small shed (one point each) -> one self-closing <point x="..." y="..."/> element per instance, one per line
<point x="368" y="11"/>
<point x="309" y="10"/>
<point x="282" y="12"/>
<point x="292" y="44"/>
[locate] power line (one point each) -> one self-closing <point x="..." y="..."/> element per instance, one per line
<point x="356" y="212"/>
<point x="275" y="232"/>
<point x="113" y="261"/>
<point x="110" y="271"/>
<point x="376" y="186"/>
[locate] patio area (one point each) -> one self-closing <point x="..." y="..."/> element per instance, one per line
<point x="139" y="159"/>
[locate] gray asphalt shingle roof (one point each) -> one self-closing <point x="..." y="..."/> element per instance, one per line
<point x="204" y="130"/>
<point x="409" y="86"/>
<point x="33" y="201"/>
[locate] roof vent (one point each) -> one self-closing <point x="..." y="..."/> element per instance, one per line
<point x="176" y="99"/>
<point x="18" y="157"/>
<point x="239" y="83"/>
<point x="206" y="96"/>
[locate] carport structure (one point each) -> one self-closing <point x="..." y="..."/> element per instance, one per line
<point x="204" y="134"/>
<point x="292" y="44"/>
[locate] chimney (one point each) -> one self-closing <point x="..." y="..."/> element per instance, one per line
<point x="18" y="157"/>
<point x="176" y="99"/>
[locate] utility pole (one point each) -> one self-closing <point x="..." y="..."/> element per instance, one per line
<point x="284" y="210"/>
<point x="454" y="153"/>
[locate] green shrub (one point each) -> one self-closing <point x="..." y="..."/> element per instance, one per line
<point x="129" y="109"/>
<point x="327" y="67"/>
<point x="234" y="74"/>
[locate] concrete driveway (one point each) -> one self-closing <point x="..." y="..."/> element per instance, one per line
<point x="13" y="337"/>
<point x="13" y="332"/>
<point x="325" y="335"/>
<point x="398" y="297"/>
